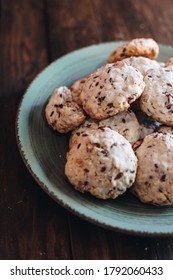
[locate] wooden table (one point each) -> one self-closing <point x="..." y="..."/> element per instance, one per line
<point x="33" y="34"/>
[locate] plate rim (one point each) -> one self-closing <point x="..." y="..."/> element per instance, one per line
<point x="42" y="184"/>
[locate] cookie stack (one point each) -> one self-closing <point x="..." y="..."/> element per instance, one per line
<point x="121" y="119"/>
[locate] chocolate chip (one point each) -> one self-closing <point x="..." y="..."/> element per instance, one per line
<point x="163" y="178"/>
<point x="100" y="99"/>
<point x="105" y="152"/>
<point x="88" y="125"/>
<point x="78" y="146"/>
<point x="103" y="169"/>
<point x="97" y="145"/>
<point x="168" y="107"/>
<point x="54" y="123"/>
<point x="110" y="105"/>
<point x="113" y="145"/>
<point x="101" y="128"/>
<point x="169" y="85"/>
<point x="119" y="175"/>
<point x="86" y="170"/>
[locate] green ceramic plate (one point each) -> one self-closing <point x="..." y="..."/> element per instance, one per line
<point x="44" y="151"/>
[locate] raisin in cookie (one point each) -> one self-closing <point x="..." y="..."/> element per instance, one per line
<point x="126" y="124"/>
<point x="146" y="47"/>
<point x="62" y="113"/>
<point x="154" y="177"/>
<point x="103" y="163"/>
<point x="111" y="89"/>
<point x="157" y="98"/>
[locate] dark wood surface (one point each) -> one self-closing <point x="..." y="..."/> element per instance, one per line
<point x="34" y="33"/>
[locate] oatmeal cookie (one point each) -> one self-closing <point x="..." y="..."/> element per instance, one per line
<point x="62" y="113"/>
<point x="154" y="179"/>
<point x="103" y="163"/>
<point x="111" y="89"/>
<point x="124" y="123"/>
<point x="146" y="47"/>
<point x="157" y="99"/>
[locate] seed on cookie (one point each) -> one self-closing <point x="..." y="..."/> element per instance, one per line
<point x="146" y="47"/>
<point x="62" y="113"/>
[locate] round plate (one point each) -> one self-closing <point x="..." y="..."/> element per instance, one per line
<point x="44" y="151"/>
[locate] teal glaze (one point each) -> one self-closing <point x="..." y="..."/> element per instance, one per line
<point x="44" y="151"/>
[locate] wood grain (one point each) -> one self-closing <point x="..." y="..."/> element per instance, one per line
<point x="34" y="33"/>
<point x="26" y="212"/>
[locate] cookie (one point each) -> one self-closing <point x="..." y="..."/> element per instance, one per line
<point x="103" y="163"/>
<point x="165" y="129"/>
<point x="143" y="64"/>
<point x="157" y="98"/>
<point x="124" y="123"/>
<point x="76" y="89"/>
<point x="146" y="47"/>
<point x="63" y="114"/>
<point x="111" y="89"/>
<point x="154" y="177"/>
